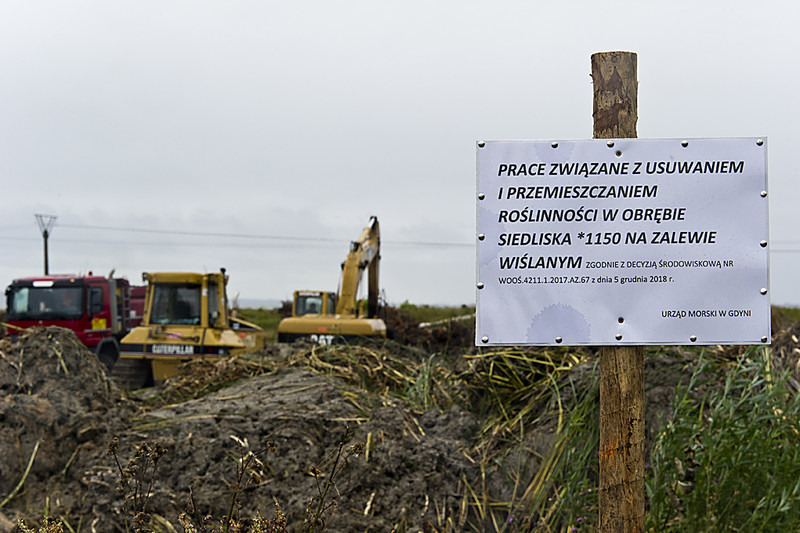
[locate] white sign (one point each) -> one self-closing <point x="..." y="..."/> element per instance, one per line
<point x="623" y="242"/>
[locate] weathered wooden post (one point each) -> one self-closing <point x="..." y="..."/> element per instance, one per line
<point x="621" y="496"/>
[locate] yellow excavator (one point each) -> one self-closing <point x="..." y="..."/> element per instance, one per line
<point x="185" y="317"/>
<point x="325" y="318"/>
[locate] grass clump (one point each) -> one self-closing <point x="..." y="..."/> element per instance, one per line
<point x="553" y="481"/>
<point x="383" y="369"/>
<point x="729" y="459"/>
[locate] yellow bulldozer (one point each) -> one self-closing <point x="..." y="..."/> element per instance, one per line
<point x="186" y="317"/>
<point x="327" y="318"/>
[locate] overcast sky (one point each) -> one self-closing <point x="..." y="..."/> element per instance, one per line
<point x="261" y="136"/>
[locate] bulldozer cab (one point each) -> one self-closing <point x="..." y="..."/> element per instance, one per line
<point x="176" y="304"/>
<point x="186" y="300"/>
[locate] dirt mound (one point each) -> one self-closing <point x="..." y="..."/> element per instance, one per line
<point x="278" y="426"/>
<point x="56" y="404"/>
<point x="306" y="417"/>
<point x="60" y="411"/>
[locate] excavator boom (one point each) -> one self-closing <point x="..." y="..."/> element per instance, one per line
<point x="364" y="255"/>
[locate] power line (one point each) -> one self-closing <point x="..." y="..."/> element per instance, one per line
<point x="295" y="242"/>
<point x="25" y="226"/>
<point x="253" y="236"/>
<point x="773" y="249"/>
<point x="287" y="245"/>
<point x="197" y="233"/>
<point x="160" y="243"/>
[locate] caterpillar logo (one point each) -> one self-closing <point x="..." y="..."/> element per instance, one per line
<point x="172" y="349"/>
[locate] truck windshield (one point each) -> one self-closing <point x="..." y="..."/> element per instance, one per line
<point x="176" y="304"/>
<point x="50" y="303"/>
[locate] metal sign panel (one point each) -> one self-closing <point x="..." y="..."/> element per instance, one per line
<point x="622" y="242"/>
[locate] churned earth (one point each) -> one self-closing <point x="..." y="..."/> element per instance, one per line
<point x="242" y="436"/>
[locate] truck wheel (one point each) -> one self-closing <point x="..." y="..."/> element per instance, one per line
<point x="133" y="374"/>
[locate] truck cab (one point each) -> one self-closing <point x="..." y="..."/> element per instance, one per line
<point x="96" y="308"/>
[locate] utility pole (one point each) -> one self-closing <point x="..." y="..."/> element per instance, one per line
<point x="621" y="494"/>
<point x="45" y="224"/>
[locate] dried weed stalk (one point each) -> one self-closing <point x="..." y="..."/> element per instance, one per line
<point x="249" y="471"/>
<point x="322" y="504"/>
<point x="136" y="481"/>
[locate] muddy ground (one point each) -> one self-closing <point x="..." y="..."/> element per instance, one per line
<point x="402" y="470"/>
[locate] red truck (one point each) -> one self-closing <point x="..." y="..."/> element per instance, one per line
<point x="99" y="310"/>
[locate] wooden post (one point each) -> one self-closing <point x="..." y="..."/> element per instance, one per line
<point x="621" y="494"/>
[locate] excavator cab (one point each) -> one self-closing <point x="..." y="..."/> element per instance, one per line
<point x="313" y="303"/>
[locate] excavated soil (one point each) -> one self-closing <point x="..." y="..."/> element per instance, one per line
<point x="402" y="471"/>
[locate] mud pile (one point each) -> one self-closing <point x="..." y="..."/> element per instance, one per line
<point x="59" y="411"/>
<point x="57" y="406"/>
<point x="256" y="434"/>
<point x="401" y="465"/>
